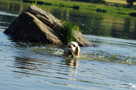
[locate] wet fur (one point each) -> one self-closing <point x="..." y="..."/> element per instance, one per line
<point x="72" y="48"/>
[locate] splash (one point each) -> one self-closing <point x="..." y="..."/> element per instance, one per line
<point x="109" y="54"/>
<point x="128" y="86"/>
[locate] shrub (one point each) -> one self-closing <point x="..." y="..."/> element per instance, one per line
<point x="76" y="7"/>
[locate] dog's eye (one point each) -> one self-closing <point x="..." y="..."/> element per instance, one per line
<point x="74" y="45"/>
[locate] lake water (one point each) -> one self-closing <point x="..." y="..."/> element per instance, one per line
<point x="32" y="66"/>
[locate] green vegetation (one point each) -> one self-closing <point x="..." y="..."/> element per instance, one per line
<point x="66" y="31"/>
<point x="75" y="4"/>
<point x="94" y="1"/>
<point x="117" y="8"/>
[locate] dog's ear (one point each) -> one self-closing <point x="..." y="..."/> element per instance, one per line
<point x="77" y="51"/>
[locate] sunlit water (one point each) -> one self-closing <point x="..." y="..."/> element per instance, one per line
<point x="34" y="66"/>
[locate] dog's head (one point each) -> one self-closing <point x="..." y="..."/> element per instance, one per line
<point x="72" y="49"/>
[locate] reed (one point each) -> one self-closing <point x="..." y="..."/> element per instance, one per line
<point x="35" y="2"/>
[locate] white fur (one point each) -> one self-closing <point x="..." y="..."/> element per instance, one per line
<point x="74" y="47"/>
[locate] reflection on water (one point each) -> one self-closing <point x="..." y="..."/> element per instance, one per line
<point x="73" y="63"/>
<point x="60" y="70"/>
<point x="37" y="66"/>
<point x="101" y="24"/>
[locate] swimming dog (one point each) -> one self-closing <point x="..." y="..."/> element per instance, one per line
<point x="72" y="49"/>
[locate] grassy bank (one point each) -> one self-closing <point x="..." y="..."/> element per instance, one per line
<point x="109" y="7"/>
<point x="118" y="1"/>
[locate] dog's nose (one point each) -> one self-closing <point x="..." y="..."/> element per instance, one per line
<point x="70" y="46"/>
<point x="70" y="52"/>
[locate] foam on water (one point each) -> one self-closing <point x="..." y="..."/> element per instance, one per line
<point x="127" y="86"/>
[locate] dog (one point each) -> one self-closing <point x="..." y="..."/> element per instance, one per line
<point x="72" y="49"/>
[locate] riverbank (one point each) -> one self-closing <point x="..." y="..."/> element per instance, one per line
<point x="109" y="7"/>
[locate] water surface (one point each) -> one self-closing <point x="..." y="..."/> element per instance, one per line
<point x="35" y="66"/>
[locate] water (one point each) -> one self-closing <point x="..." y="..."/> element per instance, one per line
<point x="34" y="66"/>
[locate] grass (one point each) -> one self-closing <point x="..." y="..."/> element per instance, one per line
<point x="118" y="1"/>
<point x="66" y="31"/>
<point x="112" y="6"/>
<point x="118" y="7"/>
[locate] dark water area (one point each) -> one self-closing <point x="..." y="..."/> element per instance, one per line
<point x="35" y="66"/>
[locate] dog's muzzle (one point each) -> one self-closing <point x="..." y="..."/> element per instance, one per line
<point x="70" y="52"/>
